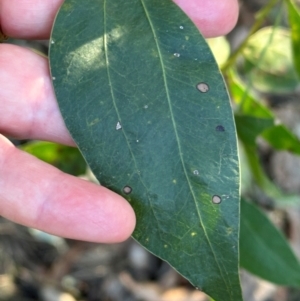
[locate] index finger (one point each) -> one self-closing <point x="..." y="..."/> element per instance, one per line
<point x="33" y="19"/>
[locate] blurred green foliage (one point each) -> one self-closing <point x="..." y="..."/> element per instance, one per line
<point x="267" y="63"/>
<point x="65" y="158"/>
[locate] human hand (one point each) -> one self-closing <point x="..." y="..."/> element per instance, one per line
<point x="32" y="192"/>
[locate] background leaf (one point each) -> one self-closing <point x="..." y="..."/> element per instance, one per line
<point x="281" y="138"/>
<point x="254" y="119"/>
<point x="68" y="159"/>
<point x="220" y="48"/>
<point x="269" y="61"/>
<point x="294" y="19"/>
<point x="144" y="99"/>
<point x="263" y="249"/>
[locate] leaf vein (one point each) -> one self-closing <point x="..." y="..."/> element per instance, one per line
<point x="116" y="108"/>
<point x="178" y="140"/>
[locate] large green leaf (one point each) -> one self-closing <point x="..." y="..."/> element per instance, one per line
<point x="264" y="250"/>
<point x="143" y="98"/>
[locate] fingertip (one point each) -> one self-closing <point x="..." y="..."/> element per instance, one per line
<point x="28" y="19"/>
<point x="59" y="203"/>
<point x="123" y="219"/>
<point x="212" y="17"/>
<point x="86" y="211"/>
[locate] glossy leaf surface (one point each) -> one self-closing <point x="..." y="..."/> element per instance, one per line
<point x="264" y="250"/>
<point x="143" y="98"/>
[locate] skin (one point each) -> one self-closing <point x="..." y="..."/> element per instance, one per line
<point x="34" y="193"/>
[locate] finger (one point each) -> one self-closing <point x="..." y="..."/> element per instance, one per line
<point x="213" y="17"/>
<point x="30" y="19"/>
<point x="38" y="195"/>
<point x="28" y="106"/>
<point x="34" y="18"/>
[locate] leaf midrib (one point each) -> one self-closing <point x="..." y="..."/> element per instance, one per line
<point x="173" y="122"/>
<point x="178" y="140"/>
